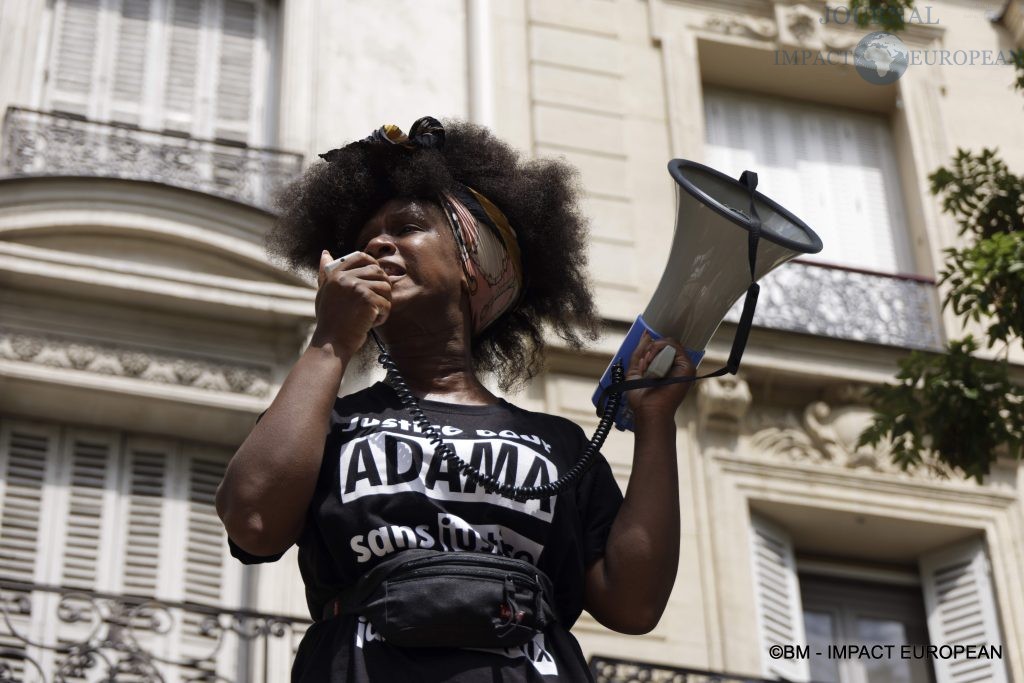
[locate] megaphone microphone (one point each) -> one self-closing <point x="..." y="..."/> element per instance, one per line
<point x="718" y="219"/>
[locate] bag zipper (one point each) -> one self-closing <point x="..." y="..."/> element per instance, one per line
<point x="479" y="572"/>
<point x="501" y="562"/>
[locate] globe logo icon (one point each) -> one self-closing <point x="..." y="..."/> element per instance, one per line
<point x="880" y="58"/>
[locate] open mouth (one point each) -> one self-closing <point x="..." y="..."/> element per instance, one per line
<point x="392" y="270"/>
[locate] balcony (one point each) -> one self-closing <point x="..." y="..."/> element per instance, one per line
<point x="51" y="144"/>
<point x="89" y="635"/>
<point x="55" y="634"/>
<point x="848" y="303"/>
<point x="608" y="670"/>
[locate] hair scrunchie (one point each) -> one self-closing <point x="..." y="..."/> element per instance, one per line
<point x="426" y="133"/>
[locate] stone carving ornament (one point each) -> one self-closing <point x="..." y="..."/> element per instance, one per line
<point x="746" y="27"/>
<point x="795" y="25"/>
<point x="723" y="402"/>
<point x="135" y="363"/>
<point x="826" y="434"/>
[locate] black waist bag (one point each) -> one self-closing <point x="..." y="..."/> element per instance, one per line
<point x="429" y="598"/>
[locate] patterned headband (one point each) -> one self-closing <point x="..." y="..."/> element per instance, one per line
<point x="488" y="246"/>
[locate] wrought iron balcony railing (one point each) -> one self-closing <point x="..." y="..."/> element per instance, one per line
<point x="849" y="303"/>
<point x="39" y="143"/>
<point x="52" y="634"/>
<point x="608" y="670"/>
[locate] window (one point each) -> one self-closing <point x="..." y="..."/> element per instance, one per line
<point x="835" y="169"/>
<point x="104" y="511"/>
<point x="955" y="601"/>
<point x="839" y="611"/>
<point x="196" y="67"/>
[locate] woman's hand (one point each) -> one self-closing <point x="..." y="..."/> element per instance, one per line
<point x="657" y="402"/>
<point x="352" y="298"/>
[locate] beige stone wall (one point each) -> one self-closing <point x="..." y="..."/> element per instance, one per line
<point x="350" y="66"/>
<point x="616" y="89"/>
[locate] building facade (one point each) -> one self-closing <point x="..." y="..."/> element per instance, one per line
<point x="142" y="327"/>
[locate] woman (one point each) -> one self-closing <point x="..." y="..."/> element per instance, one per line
<point x="458" y="255"/>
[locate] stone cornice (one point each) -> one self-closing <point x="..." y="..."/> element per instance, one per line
<point x="827" y="479"/>
<point x="152" y="286"/>
<point x="136" y="363"/>
<point x="204" y="211"/>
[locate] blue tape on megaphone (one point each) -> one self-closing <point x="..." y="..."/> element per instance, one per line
<point x="624" y="416"/>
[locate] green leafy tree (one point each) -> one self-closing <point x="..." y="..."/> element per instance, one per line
<point x="890" y="15"/>
<point x="954" y="406"/>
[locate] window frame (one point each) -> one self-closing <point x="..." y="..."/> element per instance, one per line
<point x="203" y="123"/>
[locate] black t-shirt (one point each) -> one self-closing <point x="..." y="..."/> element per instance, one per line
<point x="381" y="489"/>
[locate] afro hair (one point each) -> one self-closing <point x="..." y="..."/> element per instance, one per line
<point x="327" y="206"/>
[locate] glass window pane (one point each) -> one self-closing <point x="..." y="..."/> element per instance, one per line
<point x="820" y="630"/>
<point x="844" y="612"/>
<point x="889" y="669"/>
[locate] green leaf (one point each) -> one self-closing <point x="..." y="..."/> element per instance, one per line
<point x="965" y="406"/>
<point x="889" y="14"/>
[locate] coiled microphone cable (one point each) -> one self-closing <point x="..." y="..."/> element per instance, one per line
<point x="486" y="481"/>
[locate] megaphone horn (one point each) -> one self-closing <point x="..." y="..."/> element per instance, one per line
<point x="718" y="219"/>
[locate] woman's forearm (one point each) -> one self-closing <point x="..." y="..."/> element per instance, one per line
<point x="269" y="482"/>
<point x="642" y="551"/>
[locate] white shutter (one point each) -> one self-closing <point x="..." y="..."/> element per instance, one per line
<point x="198" y="67"/>
<point x="236" y="60"/>
<point x="207" y="578"/>
<point x="145" y="493"/>
<point x="74" y="61"/>
<point x="102" y="61"/>
<point x="148" y="552"/>
<point x="833" y="168"/>
<point x="27" y="464"/>
<point x="82" y="550"/>
<point x="89" y="485"/>
<point x="26" y="456"/>
<point x="85" y="511"/>
<point x="134" y="28"/>
<point x="777" y="596"/>
<point x="204" y="548"/>
<point x="962" y="611"/>
<point x="218" y="69"/>
<point x="181" y="93"/>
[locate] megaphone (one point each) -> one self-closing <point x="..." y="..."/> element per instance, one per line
<point x="727" y="236"/>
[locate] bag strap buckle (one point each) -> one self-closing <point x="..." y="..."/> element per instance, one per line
<point x="509" y="613"/>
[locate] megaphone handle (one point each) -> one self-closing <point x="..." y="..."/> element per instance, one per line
<point x="661" y="363"/>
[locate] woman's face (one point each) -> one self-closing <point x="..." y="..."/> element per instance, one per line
<point x="414" y="244"/>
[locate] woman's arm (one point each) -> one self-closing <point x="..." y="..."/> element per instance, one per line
<point x="269" y="482"/>
<point x="627" y="589"/>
